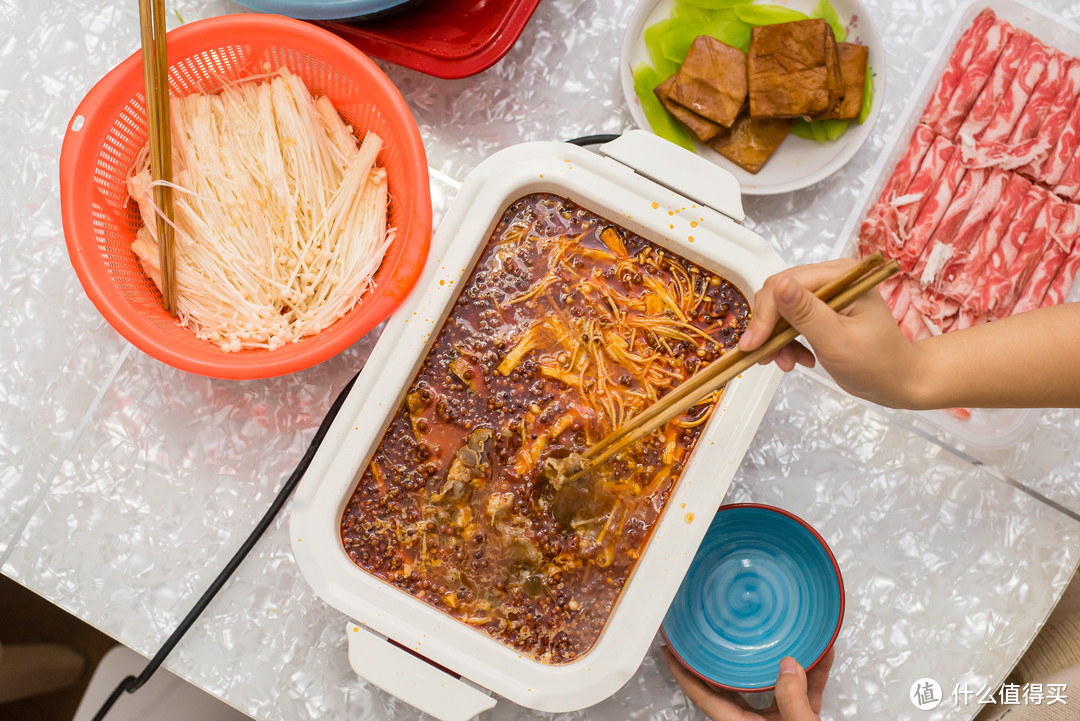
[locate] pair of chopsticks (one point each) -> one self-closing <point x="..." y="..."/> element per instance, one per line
<point x="156" y="84"/>
<point x="839" y="293"/>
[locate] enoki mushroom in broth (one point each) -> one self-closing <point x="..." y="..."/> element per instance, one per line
<point x="567" y="327"/>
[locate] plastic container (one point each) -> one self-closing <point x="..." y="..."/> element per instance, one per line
<point x="444" y="38"/>
<point x="988" y="427"/>
<point x="109" y="129"/>
<point x="433" y="660"/>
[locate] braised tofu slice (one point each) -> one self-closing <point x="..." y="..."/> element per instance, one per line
<point x="832" y="69"/>
<point x="712" y="81"/>
<point x="751" y="141"/>
<point x="853" y="71"/>
<point x="788" y="75"/>
<point x="702" y="127"/>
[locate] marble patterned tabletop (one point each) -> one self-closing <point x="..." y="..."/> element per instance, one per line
<point x="125" y="484"/>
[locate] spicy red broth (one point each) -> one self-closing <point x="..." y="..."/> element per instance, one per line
<point x="567" y="327"/>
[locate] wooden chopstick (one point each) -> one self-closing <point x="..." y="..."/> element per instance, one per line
<point x="838" y="293"/>
<point x="158" y="129"/>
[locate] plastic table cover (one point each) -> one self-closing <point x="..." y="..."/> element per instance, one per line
<point x="125" y="485"/>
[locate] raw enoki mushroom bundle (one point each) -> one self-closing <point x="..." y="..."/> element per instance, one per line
<point x="281" y="215"/>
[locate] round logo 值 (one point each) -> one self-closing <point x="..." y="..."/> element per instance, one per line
<point x="925" y="694"/>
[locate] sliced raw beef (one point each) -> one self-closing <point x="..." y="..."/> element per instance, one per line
<point x="1011" y="260"/>
<point x="1065" y="236"/>
<point x="1031" y="294"/>
<point x="1064" y="149"/>
<point x="959" y="61"/>
<point x="1058" y="115"/>
<point x="974" y="78"/>
<point x="997" y="84"/>
<point x="941" y="195"/>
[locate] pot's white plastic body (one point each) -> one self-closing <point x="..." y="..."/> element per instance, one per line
<point x="651" y="188"/>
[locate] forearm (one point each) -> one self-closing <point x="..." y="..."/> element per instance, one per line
<point x="1028" y="360"/>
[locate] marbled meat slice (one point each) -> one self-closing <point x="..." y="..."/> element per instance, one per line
<point x="968" y="318"/>
<point x="712" y="81"/>
<point x="997" y="84"/>
<point x="1042" y="98"/>
<point x="1012" y="261"/>
<point x="946" y="256"/>
<point x="1064" y="150"/>
<point x="1027" y="77"/>
<point x="941" y="195"/>
<point x="960" y="276"/>
<point x="751" y="141"/>
<point x="961" y="58"/>
<point x="909" y="164"/>
<point x="1065" y="236"/>
<point x="949" y="225"/>
<point x="937" y="311"/>
<point x="1005" y="143"/>
<point x="879" y="231"/>
<point x="853" y="75"/>
<point x="1031" y="294"/>
<point x="916" y="195"/>
<point x="787" y="72"/>
<point x="1058" y="115"/>
<point x="1069" y="187"/>
<point x="900" y="300"/>
<point x="974" y="78"/>
<point x="702" y="127"/>
<point x="912" y="325"/>
<point x="890" y="289"/>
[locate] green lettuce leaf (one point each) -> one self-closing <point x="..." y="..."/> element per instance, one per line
<point x="663" y="124"/>
<point x="767" y="14"/>
<point x="691" y="13"/>
<point x="672" y="38"/>
<point x="867" y="97"/>
<point x="716" y="4"/>
<point x="654" y="36"/>
<point x="732" y="31"/>
<point x="822" y="131"/>
<point x="827" y="12"/>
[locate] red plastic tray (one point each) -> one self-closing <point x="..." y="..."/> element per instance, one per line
<point x="444" y="38"/>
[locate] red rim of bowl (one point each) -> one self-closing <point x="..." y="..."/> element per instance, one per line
<point x="839" y="620"/>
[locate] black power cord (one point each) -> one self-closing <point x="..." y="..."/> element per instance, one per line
<point x="131" y="684"/>
<point x="593" y="139"/>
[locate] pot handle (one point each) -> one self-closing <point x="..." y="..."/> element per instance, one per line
<point x="412" y="678"/>
<point x="679" y="170"/>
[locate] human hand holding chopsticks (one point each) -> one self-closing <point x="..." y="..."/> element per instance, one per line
<point x="1027" y="360"/>
<point x="862" y="348"/>
<point x="838" y="292"/>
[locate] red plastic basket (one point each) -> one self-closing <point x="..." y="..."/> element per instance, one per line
<point x="109" y="128"/>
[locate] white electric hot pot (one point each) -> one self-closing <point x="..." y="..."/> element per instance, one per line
<point x="648" y="186"/>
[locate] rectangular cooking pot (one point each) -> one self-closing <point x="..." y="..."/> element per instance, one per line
<point x="650" y="187"/>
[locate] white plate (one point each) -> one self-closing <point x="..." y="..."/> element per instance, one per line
<point x="798" y="162"/>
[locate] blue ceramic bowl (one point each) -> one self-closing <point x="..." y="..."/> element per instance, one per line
<point x="763" y="585"/>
